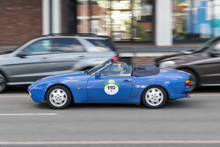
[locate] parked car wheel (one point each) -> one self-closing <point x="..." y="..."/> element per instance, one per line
<point x="193" y="79"/>
<point x="3" y="84"/>
<point x="58" y="97"/>
<point x="154" y="97"/>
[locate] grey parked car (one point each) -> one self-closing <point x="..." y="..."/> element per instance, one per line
<point x="53" y="54"/>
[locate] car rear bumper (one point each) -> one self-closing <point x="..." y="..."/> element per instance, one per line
<point x="186" y="91"/>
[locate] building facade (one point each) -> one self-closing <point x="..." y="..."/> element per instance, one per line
<point x="161" y="22"/>
<point x="195" y="19"/>
<point x="20" y="21"/>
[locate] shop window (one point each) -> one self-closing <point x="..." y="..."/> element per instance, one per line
<point x="196" y="19"/>
<point x="125" y="20"/>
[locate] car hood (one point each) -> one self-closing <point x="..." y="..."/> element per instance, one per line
<point x="3" y="56"/>
<point x="175" y="56"/>
<point x="65" y="75"/>
<point x="183" y="57"/>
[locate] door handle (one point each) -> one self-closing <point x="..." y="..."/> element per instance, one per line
<point x="126" y="81"/>
<point x="43" y="59"/>
<point x="81" y="56"/>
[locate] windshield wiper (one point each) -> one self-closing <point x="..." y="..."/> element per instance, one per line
<point x="86" y="71"/>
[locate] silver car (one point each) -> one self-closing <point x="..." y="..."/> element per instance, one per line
<point x="53" y="54"/>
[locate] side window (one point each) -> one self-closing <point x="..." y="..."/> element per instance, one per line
<point x="66" y="45"/>
<point x="39" y="47"/>
<point x="120" y="69"/>
<point x="101" y="45"/>
<point x="105" y="71"/>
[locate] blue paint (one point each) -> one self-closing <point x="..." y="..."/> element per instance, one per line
<point x="130" y="88"/>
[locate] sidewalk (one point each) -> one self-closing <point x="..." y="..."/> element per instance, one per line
<point x="144" y="47"/>
<point x="4" y="48"/>
<point x="150" y="50"/>
<point x="145" y="54"/>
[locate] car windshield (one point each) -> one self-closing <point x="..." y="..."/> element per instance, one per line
<point x="96" y="68"/>
<point x="206" y="45"/>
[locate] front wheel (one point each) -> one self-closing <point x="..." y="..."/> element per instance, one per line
<point x="154" y="97"/>
<point x="58" y="97"/>
<point x="3" y="84"/>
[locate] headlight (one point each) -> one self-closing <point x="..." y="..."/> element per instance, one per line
<point x="166" y="64"/>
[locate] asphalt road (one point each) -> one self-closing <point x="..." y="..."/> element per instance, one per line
<point x="186" y="122"/>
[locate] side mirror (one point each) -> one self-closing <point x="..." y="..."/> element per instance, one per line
<point x="215" y="53"/>
<point x="21" y="54"/>
<point x="97" y="75"/>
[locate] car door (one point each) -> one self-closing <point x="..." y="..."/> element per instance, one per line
<point x="31" y="67"/>
<point x="67" y="52"/>
<point x="110" y="87"/>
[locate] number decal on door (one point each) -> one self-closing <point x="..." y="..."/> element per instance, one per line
<point x="111" y="87"/>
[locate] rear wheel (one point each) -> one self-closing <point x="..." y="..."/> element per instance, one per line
<point x="193" y="79"/>
<point x="154" y="97"/>
<point x="3" y="84"/>
<point x="58" y="97"/>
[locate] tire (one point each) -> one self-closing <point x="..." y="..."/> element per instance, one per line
<point x="3" y="83"/>
<point x="58" y="97"/>
<point x="154" y="97"/>
<point x="193" y="79"/>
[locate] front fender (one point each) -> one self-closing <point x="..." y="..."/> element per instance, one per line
<point x="77" y="88"/>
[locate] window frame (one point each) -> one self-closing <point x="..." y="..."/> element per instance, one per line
<point x="53" y="49"/>
<point x="37" y="41"/>
<point x="109" y="71"/>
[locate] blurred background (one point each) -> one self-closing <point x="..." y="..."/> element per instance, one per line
<point x="136" y="26"/>
<point x="142" y="31"/>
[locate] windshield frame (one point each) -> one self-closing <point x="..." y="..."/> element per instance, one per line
<point x="207" y="45"/>
<point x="103" y="65"/>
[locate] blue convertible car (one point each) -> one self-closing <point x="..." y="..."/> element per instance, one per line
<point x="112" y="82"/>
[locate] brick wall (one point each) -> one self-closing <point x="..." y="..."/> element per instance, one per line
<point x="20" y="21"/>
<point x="140" y="61"/>
<point x="145" y="25"/>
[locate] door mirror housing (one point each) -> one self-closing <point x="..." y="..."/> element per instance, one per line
<point x="21" y="54"/>
<point x="215" y="53"/>
<point x="97" y="75"/>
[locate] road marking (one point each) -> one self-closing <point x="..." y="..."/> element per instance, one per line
<point x="29" y="114"/>
<point x="205" y="94"/>
<point x="110" y="142"/>
<point x="13" y="95"/>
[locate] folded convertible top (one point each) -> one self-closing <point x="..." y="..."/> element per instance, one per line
<point x="148" y="70"/>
